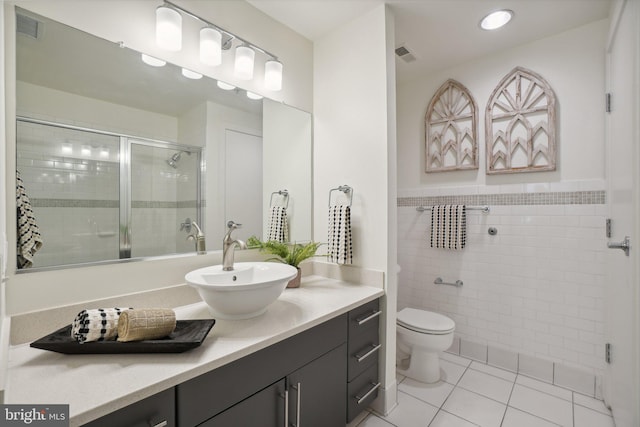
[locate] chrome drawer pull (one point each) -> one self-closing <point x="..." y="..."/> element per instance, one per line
<point x="368" y="353"/>
<point x="374" y="388"/>
<point x="366" y="318"/>
<point x="160" y="424"/>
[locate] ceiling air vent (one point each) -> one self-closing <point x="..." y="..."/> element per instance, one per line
<point x="405" y="54"/>
<point x="28" y="26"/>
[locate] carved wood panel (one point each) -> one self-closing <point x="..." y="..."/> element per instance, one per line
<point x="520" y="124"/>
<point x="450" y="129"/>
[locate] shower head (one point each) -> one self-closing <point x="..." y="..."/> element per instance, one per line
<point x="173" y="161"/>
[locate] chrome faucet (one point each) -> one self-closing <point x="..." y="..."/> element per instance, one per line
<point x="229" y="246"/>
<point x="198" y="236"/>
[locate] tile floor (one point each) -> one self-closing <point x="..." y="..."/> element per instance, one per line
<point x="473" y="394"/>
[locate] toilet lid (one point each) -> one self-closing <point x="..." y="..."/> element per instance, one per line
<point x="425" y="321"/>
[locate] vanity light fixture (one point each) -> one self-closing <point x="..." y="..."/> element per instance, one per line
<point x="273" y="75"/>
<point x="225" y="86"/>
<point x="168" y="28"/>
<point x="210" y="46"/>
<point x="245" y="58"/>
<point x="496" y="19"/>
<point x="254" y="96"/>
<point x="154" y="62"/>
<point x="213" y="40"/>
<point x="191" y="74"/>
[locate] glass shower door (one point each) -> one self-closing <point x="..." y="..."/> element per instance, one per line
<point x="164" y="195"/>
<point x="71" y="177"/>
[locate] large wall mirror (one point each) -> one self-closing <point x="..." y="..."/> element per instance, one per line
<point x="118" y="157"/>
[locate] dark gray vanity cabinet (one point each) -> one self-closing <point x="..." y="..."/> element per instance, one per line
<point x="321" y="377"/>
<point x="364" y="348"/>
<point x="314" y="359"/>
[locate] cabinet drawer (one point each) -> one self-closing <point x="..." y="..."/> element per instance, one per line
<point x="157" y="410"/>
<point x="364" y="318"/>
<point x="362" y="391"/>
<point x="363" y="352"/>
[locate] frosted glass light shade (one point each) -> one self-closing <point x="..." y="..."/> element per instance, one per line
<point x="191" y="74"/>
<point x="210" y="46"/>
<point x="225" y="86"/>
<point x="244" y="62"/>
<point x="168" y="28"/>
<point x="154" y="62"/>
<point x="496" y="19"/>
<point x="273" y="75"/>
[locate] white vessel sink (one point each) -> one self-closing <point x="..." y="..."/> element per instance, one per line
<point x="244" y="292"/>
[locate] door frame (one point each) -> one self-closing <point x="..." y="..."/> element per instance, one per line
<point x="617" y="11"/>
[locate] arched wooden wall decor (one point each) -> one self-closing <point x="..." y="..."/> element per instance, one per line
<point x="450" y="129"/>
<point x="520" y="124"/>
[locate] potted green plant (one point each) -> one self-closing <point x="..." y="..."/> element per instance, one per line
<point x="288" y="253"/>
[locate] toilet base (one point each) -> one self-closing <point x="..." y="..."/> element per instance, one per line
<point x="423" y="367"/>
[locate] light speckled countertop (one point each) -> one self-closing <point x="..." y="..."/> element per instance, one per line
<point x="95" y="385"/>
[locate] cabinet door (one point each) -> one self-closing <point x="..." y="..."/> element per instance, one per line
<point x="317" y="392"/>
<point x="264" y="409"/>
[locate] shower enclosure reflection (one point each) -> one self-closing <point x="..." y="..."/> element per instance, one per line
<point x="99" y="196"/>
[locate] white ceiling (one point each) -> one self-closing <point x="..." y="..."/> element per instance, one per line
<point x="440" y="33"/>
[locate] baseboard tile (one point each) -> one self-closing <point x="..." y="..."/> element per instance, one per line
<point x="569" y="377"/>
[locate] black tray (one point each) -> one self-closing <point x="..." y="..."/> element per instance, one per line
<point x="187" y="335"/>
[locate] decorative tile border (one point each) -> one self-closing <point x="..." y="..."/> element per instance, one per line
<point x="544" y="198"/>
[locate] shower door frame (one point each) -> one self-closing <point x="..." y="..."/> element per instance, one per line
<point x="124" y="162"/>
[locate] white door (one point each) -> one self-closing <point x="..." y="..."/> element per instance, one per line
<point x="621" y="382"/>
<point x="243" y="183"/>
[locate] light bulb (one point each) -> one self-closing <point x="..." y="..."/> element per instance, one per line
<point x="244" y="62"/>
<point x="210" y="46"/>
<point x="168" y="28"/>
<point x="273" y="75"/>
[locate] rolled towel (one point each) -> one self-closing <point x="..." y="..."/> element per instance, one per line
<point x="146" y="324"/>
<point x="100" y="324"/>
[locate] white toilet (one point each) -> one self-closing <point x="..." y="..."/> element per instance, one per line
<point x="421" y="335"/>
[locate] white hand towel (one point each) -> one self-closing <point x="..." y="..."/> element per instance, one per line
<point x="340" y="243"/>
<point x="448" y="226"/>
<point x="278" y="227"/>
<point x="29" y="239"/>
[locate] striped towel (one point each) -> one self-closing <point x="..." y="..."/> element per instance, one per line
<point x="278" y="227"/>
<point x="340" y="244"/>
<point x="448" y="226"/>
<point x="29" y="240"/>
<point x="100" y="324"/>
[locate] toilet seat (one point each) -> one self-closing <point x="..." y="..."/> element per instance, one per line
<point x="425" y="322"/>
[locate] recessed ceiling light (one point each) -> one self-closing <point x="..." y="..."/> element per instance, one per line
<point x="252" y="95"/>
<point x="496" y="19"/>
<point x="225" y="86"/>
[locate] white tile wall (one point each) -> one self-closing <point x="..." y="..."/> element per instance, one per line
<point x="536" y="288"/>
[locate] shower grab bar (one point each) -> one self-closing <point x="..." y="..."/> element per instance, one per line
<point x="484" y="209"/>
<point x="439" y="281"/>
<point x="345" y="189"/>
<point x="285" y="195"/>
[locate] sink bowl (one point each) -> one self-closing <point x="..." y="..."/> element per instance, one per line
<point x="244" y="292"/>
